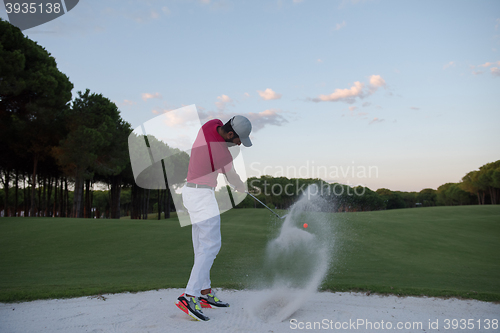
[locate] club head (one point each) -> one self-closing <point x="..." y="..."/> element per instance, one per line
<point x="283" y="216"/>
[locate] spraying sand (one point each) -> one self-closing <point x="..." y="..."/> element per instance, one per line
<point x="297" y="261"/>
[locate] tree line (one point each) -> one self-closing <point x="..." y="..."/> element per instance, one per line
<point x="341" y="197"/>
<point x="477" y="187"/>
<point x="483" y="183"/>
<point x="54" y="148"/>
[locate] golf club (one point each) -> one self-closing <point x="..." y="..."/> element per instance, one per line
<point x="263" y="204"/>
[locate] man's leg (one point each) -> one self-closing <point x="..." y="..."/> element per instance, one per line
<point x="204" y="214"/>
<point x="206" y="243"/>
<point x="196" y="245"/>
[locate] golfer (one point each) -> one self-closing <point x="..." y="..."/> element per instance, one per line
<point x="209" y="157"/>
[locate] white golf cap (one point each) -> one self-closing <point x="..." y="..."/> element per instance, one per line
<point x="242" y="126"/>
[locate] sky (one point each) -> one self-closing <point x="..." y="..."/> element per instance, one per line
<point x="402" y="95"/>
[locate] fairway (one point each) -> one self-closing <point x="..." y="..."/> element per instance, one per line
<point x="439" y="251"/>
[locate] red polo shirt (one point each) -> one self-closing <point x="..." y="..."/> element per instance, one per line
<point x="209" y="155"/>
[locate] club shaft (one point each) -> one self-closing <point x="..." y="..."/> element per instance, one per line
<point x="263" y="204"/>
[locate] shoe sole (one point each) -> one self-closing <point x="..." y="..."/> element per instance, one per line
<point x="184" y="309"/>
<point x="206" y="305"/>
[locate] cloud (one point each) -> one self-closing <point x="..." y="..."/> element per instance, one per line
<point x="347" y="95"/>
<point x="339" y="26"/>
<point x="376" y="81"/>
<point x="376" y="120"/>
<point x="246" y="95"/>
<point x="268" y="117"/>
<point x="493" y="70"/>
<point x="126" y="102"/>
<point x="146" y="96"/>
<point x="365" y="104"/>
<point x="488" y="64"/>
<point x="355" y="115"/>
<point x="319" y="61"/>
<point x="414" y="108"/>
<point x="258" y="119"/>
<point x="178" y="119"/>
<point x="268" y="94"/>
<point x="451" y="63"/>
<point x="208" y="115"/>
<point x="224" y="100"/>
<point x="154" y="14"/>
<point x="357" y="90"/>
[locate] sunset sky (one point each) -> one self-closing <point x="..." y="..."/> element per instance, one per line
<point x="408" y="88"/>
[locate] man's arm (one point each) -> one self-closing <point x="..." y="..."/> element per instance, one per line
<point x="233" y="178"/>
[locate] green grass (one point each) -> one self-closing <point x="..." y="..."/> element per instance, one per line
<point x="440" y="251"/>
<point x="152" y="216"/>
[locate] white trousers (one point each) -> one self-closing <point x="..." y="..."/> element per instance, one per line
<point x="206" y="236"/>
